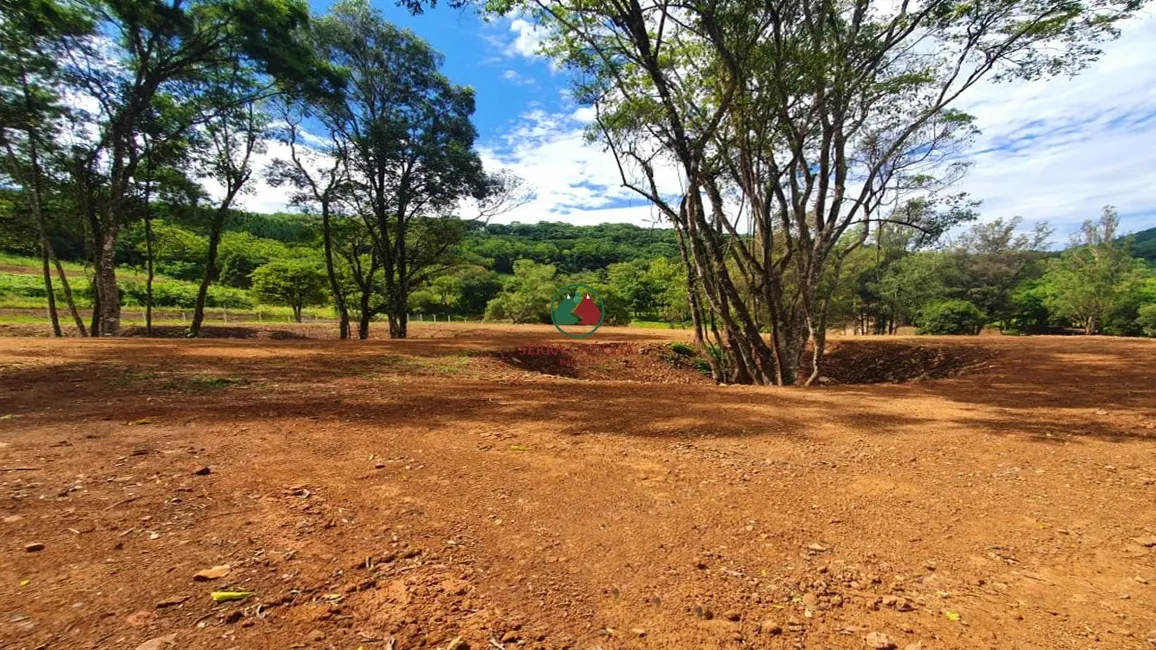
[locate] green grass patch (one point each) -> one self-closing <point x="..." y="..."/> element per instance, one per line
<point x="657" y="325"/>
<point x="216" y="383"/>
<point x="33" y="264"/>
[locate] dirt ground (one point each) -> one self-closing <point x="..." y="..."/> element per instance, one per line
<point x="440" y="492"/>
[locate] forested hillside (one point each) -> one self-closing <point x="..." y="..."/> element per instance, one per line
<point x="990" y="275"/>
<point x="1144" y="245"/>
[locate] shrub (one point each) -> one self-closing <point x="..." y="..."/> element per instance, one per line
<point x="183" y="295"/>
<point x="297" y="283"/>
<point x="1147" y="320"/>
<point x="951" y="317"/>
<point x="682" y="349"/>
<point x="1030" y="313"/>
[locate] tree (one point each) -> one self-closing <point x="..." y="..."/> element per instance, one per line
<point x="230" y="138"/>
<point x="993" y="259"/>
<point x="526" y="296"/>
<point x="34" y="36"/>
<point x="166" y="156"/>
<point x="478" y="287"/>
<point x="908" y="284"/>
<point x="1091" y="276"/>
<point x="951" y="317"/>
<point x="150" y="47"/>
<point x="1147" y="319"/>
<point x="405" y="135"/>
<point x="320" y="176"/>
<point x="296" y="283"/>
<point x="794" y="128"/>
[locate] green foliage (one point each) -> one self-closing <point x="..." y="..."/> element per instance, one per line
<point x="569" y="248"/>
<point x="1138" y="291"/>
<point x="951" y="317"/>
<point x="1091" y="277"/>
<point x="525" y="296"/>
<point x="992" y="259"/>
<point x="406" y="135"/>
<point x="1144" y="245"/>
<point x="1146" y="319"/>
<point x="911" y="282"/>
<point x="477" y="288"/>
<point x="1029" y="309"/>
<point x="184" y="295"/>
<point x="179" y="252"/>
<point x="243" y="252"/>
<point x="297" y="283"/>
<point x="682" y="349"/>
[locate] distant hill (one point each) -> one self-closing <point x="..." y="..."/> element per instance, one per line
<point x="1144" y="245"/>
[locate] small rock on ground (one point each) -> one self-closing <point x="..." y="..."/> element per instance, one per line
<point x="159" y="643"/>
<point x="879" y="641"/>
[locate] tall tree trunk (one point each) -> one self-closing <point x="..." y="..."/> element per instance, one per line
<point x="210" y="270"/>
<point x="330" y="270"/>
<point x="149" y="254"/>
<point x="108" y="310"/>
<point x="363" y="318"/>
<point x="398" y="324"/>
<point x="120" y="176"/>
<point x="31" y="188"/>
<point x="82" y="184"/>
<point x="149" y="247"/>
<point x="67" y="289"/>
<point x="210" y="273"/>
<point x="94" y="317"/>
<point x="47" y="273"/>
<point x="33" y="196"/>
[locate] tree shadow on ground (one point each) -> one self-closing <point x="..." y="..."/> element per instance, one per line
<point x="339" y="381"/>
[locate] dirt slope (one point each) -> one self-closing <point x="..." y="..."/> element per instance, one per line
<point x="401" y="495"/>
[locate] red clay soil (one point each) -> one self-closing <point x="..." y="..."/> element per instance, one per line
<point x="428" y="494"/>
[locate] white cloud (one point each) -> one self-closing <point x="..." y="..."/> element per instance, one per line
<point x="1055" y="150"/>
<point x="1060" y="149"/>
<point x="258" y="195"/>
<point x="514" y="77"/>
<point x="528" y="38"/>
<point x="584" y="114"/>
<point x="574" y="180"/>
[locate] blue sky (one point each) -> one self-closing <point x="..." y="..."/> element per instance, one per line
<point x="1055" y="150"/>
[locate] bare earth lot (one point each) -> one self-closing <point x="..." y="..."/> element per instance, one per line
<point x="441" y="492"/>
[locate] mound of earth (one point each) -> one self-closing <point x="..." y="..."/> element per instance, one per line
<point x="222" y="332"/>
<point x="846" y="362"/>
<point x="879" y="362"/>
<point x="650" y="363"/>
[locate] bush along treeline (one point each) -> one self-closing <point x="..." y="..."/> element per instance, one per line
<point x="990" y="276"/>
<point x="115" y="115"/>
